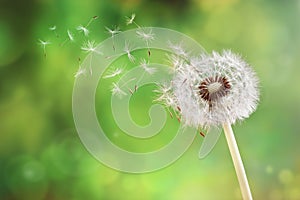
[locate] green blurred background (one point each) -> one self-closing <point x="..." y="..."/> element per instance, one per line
<point x="41" y="156"/>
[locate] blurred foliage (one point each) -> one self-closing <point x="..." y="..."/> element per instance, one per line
<point x="41" y="156"/>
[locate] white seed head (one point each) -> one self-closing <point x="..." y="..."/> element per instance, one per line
<point x="213" y="89"/>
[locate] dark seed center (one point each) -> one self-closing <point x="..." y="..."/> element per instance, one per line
<point x="213" y="88"/>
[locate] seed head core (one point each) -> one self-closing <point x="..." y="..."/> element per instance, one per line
<point x="213" y="88"/>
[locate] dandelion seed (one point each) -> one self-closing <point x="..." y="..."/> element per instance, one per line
<point x="114" y="73"/>
<point x="70" y="35"/>
<point x="166" y="96"/>
<point x="145" y="65"/>
<point x="178" y="49"/>
<point x="133" y="91"/>
<point x="70" y="38"/>
<point x="43" y="45"/>
<point x="113" y="32"/>
<point x="83" y="29"/>
<point x="91" y="47"/>
<point x="91" y="20"/>
<point x="80" y="72"/>
<point x="202" y="134"/>
<point x="130" y="20"/>
<point x="148" y="37"/>
<point x="176" y="62"/>
<point x="116" y="90"/>
<point x="128" y="51"/>
<point x="52" y="28"/>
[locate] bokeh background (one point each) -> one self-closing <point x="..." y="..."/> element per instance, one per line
<point x="41" y="156"/>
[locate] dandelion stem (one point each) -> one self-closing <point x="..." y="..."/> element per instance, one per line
<point x="237" y="161"/>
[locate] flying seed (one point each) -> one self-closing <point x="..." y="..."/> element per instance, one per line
<point x="202" y="134"/>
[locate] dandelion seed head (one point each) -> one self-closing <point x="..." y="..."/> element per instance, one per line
<point x="214" y="89"/>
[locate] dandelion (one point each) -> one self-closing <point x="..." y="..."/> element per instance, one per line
<point x="83" y="29"/>
<point x="213" y="90"/>
<point x="145" y="65"/>
<point x="127" y="49"/>
<point x="43" y="44"/>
